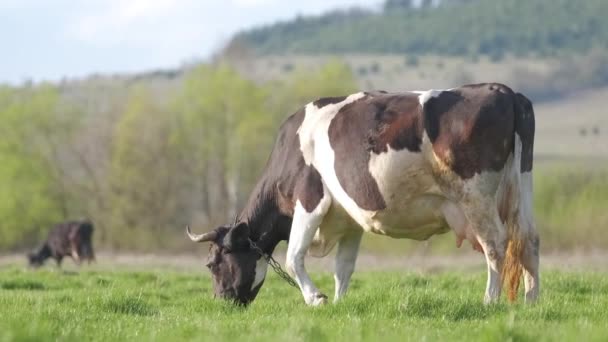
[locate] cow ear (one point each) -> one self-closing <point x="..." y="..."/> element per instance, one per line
<point x="237" y="237"/>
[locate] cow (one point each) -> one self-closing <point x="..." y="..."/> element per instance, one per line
<point x="72" y="238"/>
<point x="406" y="165"/>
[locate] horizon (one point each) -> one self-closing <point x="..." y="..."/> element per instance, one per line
<point x="73" y="40"/>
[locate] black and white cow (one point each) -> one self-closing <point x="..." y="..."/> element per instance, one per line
<point x="406" y="165"/>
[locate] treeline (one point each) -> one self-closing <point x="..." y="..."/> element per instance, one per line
<point x="142" y="158"/>
<point x="450" y="27"/>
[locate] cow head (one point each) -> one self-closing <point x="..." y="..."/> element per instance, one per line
<point x="35" y="259"/>
<point x="237" y="270"/>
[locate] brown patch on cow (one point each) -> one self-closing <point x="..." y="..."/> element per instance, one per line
<point x="309" y="189"/>
<point x="320" y="103"/>
<point x="471" y="128"/>
<point x="285" y="203"/>
<point x="348" y="137"/>
<point x="398" y="124"/>
<point x="372" y="124"/>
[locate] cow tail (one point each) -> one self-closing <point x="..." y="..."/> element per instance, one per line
<point x="512" y="268"/>
<point x="511" y="198"/>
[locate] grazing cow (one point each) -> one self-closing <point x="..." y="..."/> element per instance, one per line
<point x="406" y="165"/>
<point x="71" y="238"/>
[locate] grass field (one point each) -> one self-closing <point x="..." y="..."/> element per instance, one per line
<point x="172" y="305"/>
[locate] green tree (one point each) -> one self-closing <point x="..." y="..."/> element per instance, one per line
<point x="223" y="124"/>
<point x="142" y="173"/>
<point x="35" y="124"/>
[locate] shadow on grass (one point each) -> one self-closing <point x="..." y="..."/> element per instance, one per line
<point x="436" y="307"/>
<point x="130" y="306"/>
<point x="22" y="284"/>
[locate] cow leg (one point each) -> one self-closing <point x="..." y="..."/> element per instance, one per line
<point x="530" y="263"/>
<point x="494" y="252"/>
<point x="346" y="257"/>
<point x="75" y="256"/>
<point x="74" y="248"/>
<point x="90" y="253"/>
<point x="485" y="222"/>
<point x="58" y="260"/>
<point x="530" y="257"/>
<point x="303" y="229"/>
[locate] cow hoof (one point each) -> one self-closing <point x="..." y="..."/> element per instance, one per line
<point x="318" y="299"/>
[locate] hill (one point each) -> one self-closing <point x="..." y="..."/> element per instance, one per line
<point x="457" y="28"/>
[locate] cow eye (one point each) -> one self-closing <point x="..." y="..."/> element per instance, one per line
<point x="210" y="265"/>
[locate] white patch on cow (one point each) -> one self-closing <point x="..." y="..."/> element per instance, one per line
<point x="424" y="96"/>
<point x="316" y="148"/>
<point x="412" y="199"/>
<point x="303" y="228"/>
<point x="261" y="266"/>
<point x="314" y="116"/>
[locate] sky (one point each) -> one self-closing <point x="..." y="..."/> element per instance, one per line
<point x="52" y="39"/>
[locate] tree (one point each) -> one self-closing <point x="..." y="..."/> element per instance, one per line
<point x="35" y="126"/>
<point x="222" y="123"/>
<point x="143" y="176"/>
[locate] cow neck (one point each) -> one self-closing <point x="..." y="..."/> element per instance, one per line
<point x="267" y="225"/>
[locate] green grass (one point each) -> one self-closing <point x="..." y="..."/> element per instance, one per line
<point x="570" y="205"/>
<point x="177" y="306"/>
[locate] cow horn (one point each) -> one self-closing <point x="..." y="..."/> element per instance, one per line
<point x="202" y="237"/>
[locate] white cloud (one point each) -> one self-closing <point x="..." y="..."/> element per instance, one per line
<point x="119" y="21"/>
<point x="253" y="3"/>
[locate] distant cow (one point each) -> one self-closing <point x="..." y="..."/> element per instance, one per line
<point x="71" y="238"/>
<point x="406" y="165"/>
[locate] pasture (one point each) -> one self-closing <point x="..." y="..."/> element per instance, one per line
<point x="171" y="304"/>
